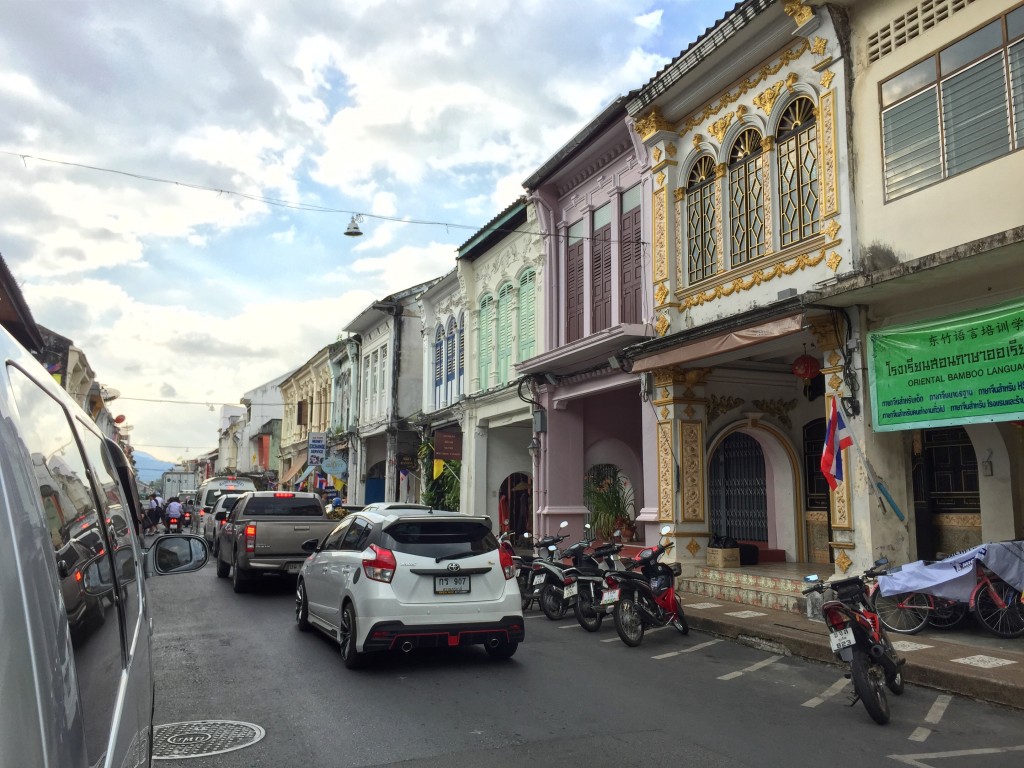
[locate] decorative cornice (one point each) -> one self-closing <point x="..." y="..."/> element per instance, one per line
<point x="650" y="124"/>
<point x="799" y="12"/>
<point x="717" y="405"/>
<point x="766" y="99"/>
<point x="778" y="408"/>
<point x="720" y="126"/>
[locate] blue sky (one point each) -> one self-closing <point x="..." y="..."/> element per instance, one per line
<point x="415" y="110"/>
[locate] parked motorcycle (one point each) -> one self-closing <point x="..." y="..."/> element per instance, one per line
<point x="547" y="582"/>
<point x="523" y="565"/>
<point x="644" y="595"/>
<point x="584" y="586"/>
<point x="858" y="638"/>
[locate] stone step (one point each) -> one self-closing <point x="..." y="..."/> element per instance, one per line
<point x="753" y="595"/>
<point x="739" y="577"/>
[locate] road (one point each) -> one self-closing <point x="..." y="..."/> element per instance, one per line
<point x="568" y="697"/>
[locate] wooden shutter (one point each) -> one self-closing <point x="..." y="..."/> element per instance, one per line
<point x="601" y="280"/>
<point x="631" y="268"/>
<point x="574" y="292"/>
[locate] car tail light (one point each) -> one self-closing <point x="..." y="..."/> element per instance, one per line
<point x="284" y="495"/>
<point x="508" y="565"/>
<point x="250" y="537"/>
<point x="381" y="567"/>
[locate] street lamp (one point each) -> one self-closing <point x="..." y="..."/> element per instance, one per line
<point x="533" y="448"/>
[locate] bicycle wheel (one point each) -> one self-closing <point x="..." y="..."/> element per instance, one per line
<point x="946" y="614"/>
<point x="906" y="613"/>
<point x="1006" y="620"/>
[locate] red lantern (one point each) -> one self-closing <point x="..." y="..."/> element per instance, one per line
<point x="806" y="367"/>
<point x="119" y="419"/>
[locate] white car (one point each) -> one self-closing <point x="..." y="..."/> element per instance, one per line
<point x="403" y="576"/>
<point x="209" y="525"/>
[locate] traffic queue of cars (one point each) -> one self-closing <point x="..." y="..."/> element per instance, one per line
<point x="387" y="577"/>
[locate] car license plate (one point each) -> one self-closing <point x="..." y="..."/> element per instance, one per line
<point x="539" y="579"/>
<point x="570" y="590"/>
<point x="293" y="567"/>
<point x="610" y="596"/>
<point x="451" y="585"/>
<point x="841" y="639"/>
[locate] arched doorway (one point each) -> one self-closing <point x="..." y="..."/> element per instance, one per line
<point x="515" y="504"/>
<point x="946" y="491"/>
<point x="737" y="493"/>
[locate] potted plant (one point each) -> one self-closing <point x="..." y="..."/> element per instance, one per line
<point x="609" y="497"/>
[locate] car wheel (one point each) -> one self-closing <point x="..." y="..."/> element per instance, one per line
<point x="502" y="650"/>
<point x="239" y="580"/>
<point x="223" y="569"/>
<point x="301" y="607"/>
<point x="352" y="658"/>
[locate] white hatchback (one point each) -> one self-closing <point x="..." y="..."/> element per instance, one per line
<point x="401" y="576"/>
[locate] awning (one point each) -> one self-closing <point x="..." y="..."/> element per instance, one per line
<point x="723" y="343"/>
<point x="307" y="473"/>
<point x="297" y="464"/>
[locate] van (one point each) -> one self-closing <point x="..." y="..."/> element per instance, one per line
<point x="76" y="662"/>
<point x="213" y="488"/>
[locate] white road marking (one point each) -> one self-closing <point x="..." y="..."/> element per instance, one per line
<point x="920" y="734"/>
<point x="751" y="668"/>
<point x="916" y="760"/>
<point x="570" y="626"/>
<point x="691" y="649"/>
<point x="831" y="691"/>
<point x="934" y="715"/>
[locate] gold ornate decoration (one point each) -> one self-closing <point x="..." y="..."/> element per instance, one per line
<point x="835" y="382"/>
<point x="828" y="152"/>
<point x="721" y="171"/>
<point x="819" y="46"/>
<point x="657" y="155"/>
<point x="660" y="255"/>
<point x="826" y="78"/>
<point x="843" y="561"/>
<point x="834" y="358"/>
<point x="666" y="470"/>
<point x="832" y="229"/>
<point x="692" y="471"/>
<point x="664" y="412"/>
<point x="765" y="100"/>
<point x="767" y="144"/>
<point x="833" y="261"/>
<point x="660" y="294"/>
<point x="778" y="408"/>
<point x="693" y="547"/>
<point x="697" y="139"/>
<point x="758" y="277"/>
<point x="824" y="333"/>
<point x="747" y="85"/>
<point x="741" y="110"/>
<point x="720" y="126"/>
<point x="791" y="80"/>
<point x="956" y="521"/>
<point x="660" y="179"/>
<point x="817" y="516"/>
<point x="678" y="193"/>
<point x="799" y="12"/>
<point x="662" y="325"/>
<point x="717" y="405"/>
<point x="650" y="124"/>
<point x="688" y="410"/>
<point x="671" y="150"/>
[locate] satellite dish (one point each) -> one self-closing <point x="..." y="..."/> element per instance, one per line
<point x="127" y="427"/>
<point x="119" y="419"/>
<point x="109" y="393"/>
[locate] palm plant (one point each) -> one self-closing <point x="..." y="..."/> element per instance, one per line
<point x="608" y="494"/>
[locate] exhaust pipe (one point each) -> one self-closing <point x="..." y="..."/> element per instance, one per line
<point x="877" y="651"/>
<point x="406" y="646"/>
<point x="493" y="642"/>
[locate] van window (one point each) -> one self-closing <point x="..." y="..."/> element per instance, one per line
<point x="72" y="516"/>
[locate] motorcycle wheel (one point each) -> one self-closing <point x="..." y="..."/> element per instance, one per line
<point x="524" y="591"/>
<point x="868" y="685"/>
<point x="895" y="681"/>
<point x="587" y="612"/>
<point x="683" y="627"/>
<point x="552" y="603"/>
<point x="628" y="621"/>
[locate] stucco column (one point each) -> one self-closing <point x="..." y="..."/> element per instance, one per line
<point x="561" y="469"/>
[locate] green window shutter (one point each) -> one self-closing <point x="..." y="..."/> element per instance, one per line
<point x="486" y="340"/>
<point x="527" y="316"/>
<point x="504" y="332"/>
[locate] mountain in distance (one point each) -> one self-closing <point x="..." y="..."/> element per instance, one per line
<point x="148" y="467"/>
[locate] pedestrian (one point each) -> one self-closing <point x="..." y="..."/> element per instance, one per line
<point x="154" y="513"/>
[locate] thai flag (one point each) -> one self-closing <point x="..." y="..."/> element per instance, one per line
<point x="321" y="482"/>
<point x="837" y="437"/>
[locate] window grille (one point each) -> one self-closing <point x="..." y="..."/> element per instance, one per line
<point x="700" y="219"/>
<point x="746" y="198"/>
<point x="797" y="144"/>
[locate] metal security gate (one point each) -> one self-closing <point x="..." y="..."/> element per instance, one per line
<point x="739" y="505"/>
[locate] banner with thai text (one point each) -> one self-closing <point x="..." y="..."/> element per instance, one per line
<point x="964" y="369"/>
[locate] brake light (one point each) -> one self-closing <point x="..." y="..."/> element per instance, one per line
<point x="568" y="580"/>
<point x="381" y="567"/>
<point x="284" y="495"/>
<point x="250" y="537"/>
<point x="610" y="582"/>
<point x="508" y="565"/>
<point x="836" y="619"/>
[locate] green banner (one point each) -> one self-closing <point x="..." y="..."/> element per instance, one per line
<point x="963" y="369"/>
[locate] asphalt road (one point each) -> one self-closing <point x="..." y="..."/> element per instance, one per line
<point x="568" y="697"/>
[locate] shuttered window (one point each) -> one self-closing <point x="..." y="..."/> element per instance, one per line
<point x="601" y="270"/>
<point x="462" y="354"/>
<point x="486" y="336"/>
<point x="505" y="295"/>
<point x="631" y="285"/>
<point x="955" y="110"/>
<point x="527" y="316"/>
<point x="438" y="367"/>
<point x="574" y="282"/>
<point x="450" y="361"/>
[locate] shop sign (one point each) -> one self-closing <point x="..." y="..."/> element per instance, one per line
<point x="964" y="369"/>
<point x="317" y="448"/>
<point x="448" y="445"/>
<point x="335" y="465"/>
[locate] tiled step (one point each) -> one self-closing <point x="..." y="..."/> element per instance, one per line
<point x="728" y="584"/>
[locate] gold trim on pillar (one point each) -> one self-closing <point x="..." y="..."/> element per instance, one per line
<point x="840" y="497"/>
<point x="827" y="139"/>
<point x="666" y="467"/>
<point x="691" y="451"/>
<point x="767" y="160"/>
<point x="721" y="171"/>
<point x="660" y="237"/>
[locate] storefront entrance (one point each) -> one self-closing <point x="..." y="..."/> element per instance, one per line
<point x="737" y="490"/>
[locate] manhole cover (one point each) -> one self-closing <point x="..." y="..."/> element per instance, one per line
<point x="201" y="738"/>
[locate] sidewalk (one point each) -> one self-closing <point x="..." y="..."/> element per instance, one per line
<point x="968" y="661"/>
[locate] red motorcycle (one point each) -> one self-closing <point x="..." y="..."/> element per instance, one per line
<point x="644" y="595"/>
<point x="858" y="638"/>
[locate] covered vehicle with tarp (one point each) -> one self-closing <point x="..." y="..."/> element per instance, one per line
<point x="955" y="577"/>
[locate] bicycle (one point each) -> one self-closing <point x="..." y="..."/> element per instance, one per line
<point x="997" y="605"/>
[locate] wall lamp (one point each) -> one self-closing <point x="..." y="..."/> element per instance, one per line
<point x="353" y="226"/>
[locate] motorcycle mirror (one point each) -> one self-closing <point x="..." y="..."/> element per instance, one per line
<point x="505" y="521"/>
<point x="882" y="561"/>
<point x="552" y="547"/>
<point x="525" y="534"/>
<point x="665" y="529"/>
<point x="811" y="578"/>
<point x="564" y="524"/>
<point x="617" y="532"/>
<point x="587" y="526"/>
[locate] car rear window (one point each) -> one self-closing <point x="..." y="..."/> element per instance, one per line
<point x="439" y="538"/>
<point x="284" y="506"/>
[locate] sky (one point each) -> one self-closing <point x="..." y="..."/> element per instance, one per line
<point x="177" y="177"/>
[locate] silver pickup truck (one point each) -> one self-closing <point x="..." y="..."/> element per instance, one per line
<point x="264" y="532"/>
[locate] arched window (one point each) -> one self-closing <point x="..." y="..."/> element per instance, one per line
<point x="746" y="198"/>
<point x="700" y="220"/>
<point x="486" y="340"/>
<point x="438" y="367"/>
<point x="450" y="363"/>
<point x="505" y="294"/>
<point x="797" y="148"/>
<point x="527" y="315"/>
